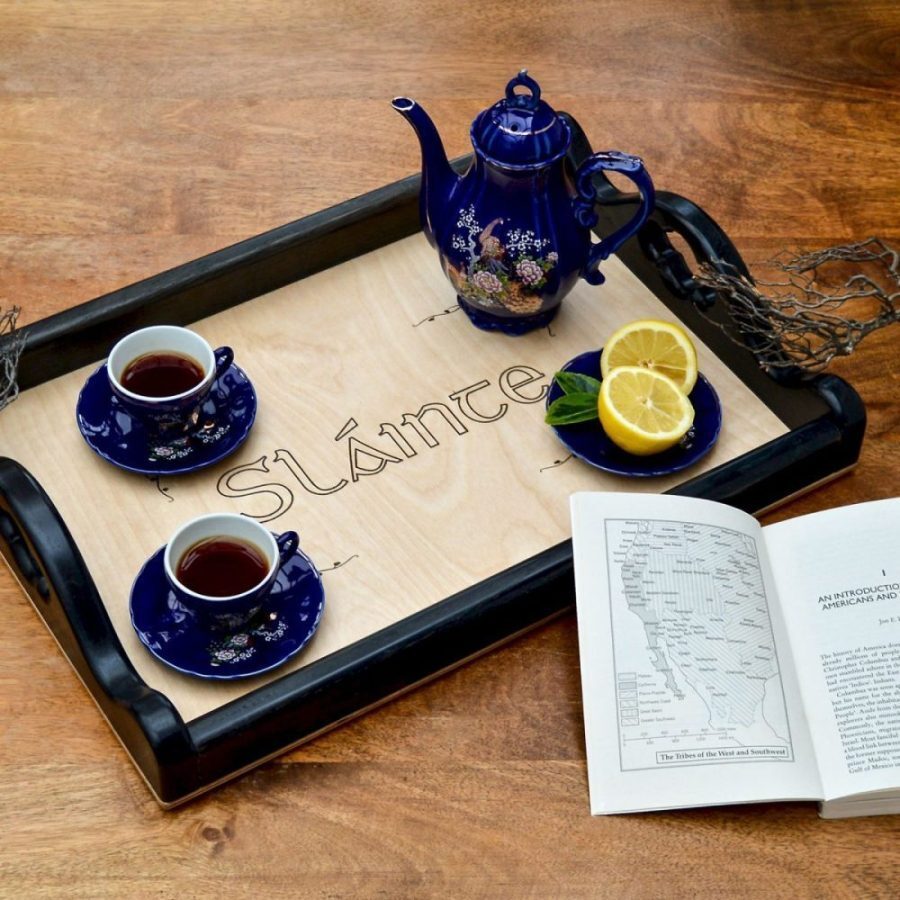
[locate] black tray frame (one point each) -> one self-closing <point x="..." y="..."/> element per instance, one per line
<point x="179" y="760"/>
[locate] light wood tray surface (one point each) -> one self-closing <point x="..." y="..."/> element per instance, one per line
<point x="353" y="342"/>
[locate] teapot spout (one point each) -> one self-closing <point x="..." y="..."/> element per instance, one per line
<point x="438" y="178"/>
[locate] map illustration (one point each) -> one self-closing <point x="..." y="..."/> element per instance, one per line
<point x="697" y="675"/>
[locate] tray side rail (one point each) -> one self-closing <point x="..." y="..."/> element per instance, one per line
<point x="43" y="557"/>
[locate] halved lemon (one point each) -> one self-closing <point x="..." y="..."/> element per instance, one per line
<point x="643" y="411"/>
<point x="653" y="345"/>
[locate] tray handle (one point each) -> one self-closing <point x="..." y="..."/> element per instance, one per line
<point x="707" y="240"/>
<point x="43" y="556"/>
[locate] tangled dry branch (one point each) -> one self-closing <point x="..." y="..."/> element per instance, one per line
<point x="810" y="317"/>
<point x="11" y="342"/>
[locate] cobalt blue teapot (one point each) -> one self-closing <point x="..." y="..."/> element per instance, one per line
<point x="514" y="232"/>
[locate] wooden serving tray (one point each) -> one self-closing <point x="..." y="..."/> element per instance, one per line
<point x="405" y="446"/>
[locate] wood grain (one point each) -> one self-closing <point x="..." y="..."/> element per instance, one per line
<point x="136" y="136"/>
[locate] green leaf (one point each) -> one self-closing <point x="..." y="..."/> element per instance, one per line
<point x="572" y="408"/>
<point x="573" y="383"/>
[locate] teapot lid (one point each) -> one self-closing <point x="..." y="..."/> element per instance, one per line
<point x="521" y="131"/>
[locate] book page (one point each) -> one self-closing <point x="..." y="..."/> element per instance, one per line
<point x="690" y="697"/>
<point x="838" y="577"/>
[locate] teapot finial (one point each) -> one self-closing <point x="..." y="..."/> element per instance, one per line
<point x="520" y="130"/>
<point x="530" y="100"/>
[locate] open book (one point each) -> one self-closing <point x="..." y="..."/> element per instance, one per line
<point x="723" y="662"/>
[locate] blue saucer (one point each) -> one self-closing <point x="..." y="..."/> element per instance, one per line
<point x="175" y="636"/>
<point x="226" y="418"/>
<point x="588" y="440"/>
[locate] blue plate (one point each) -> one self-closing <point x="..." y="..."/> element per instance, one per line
<point x="175" y="635"/>
<point x="226" y="418"/>
<point x="588" y="440"/>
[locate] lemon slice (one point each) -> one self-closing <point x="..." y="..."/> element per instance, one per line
<point x="643" y="411"/>
<point x="657" y="346"/>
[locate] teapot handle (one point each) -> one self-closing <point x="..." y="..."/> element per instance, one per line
<point x="633" y="168"/>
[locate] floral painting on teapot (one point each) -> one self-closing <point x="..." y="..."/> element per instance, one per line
<point x="508" y="272"/>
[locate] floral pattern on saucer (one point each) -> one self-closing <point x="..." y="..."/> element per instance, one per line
<point x="239" y="646"/>
<point x="210" y="432"/>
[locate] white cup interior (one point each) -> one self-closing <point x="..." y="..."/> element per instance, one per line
<point x="226" y="525"/>
<point x="161" y="339"/>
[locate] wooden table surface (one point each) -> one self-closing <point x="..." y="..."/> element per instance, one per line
<point x="137" y="134"/>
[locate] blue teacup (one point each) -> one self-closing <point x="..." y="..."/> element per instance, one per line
<point x="233" y="611"/>
<point x="179" y="412"/>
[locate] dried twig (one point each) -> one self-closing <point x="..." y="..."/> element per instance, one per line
<point x="11" y="342"/>
<point x="809" y="318"/>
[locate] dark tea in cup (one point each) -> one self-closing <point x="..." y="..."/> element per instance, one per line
<point x="222" y="567"/>
<point x="162" y="374"/>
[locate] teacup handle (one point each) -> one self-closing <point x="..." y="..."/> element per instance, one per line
<point x="287" y="545"/>
<point x="630" y="166"/>
<point x="224" y="357"/>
